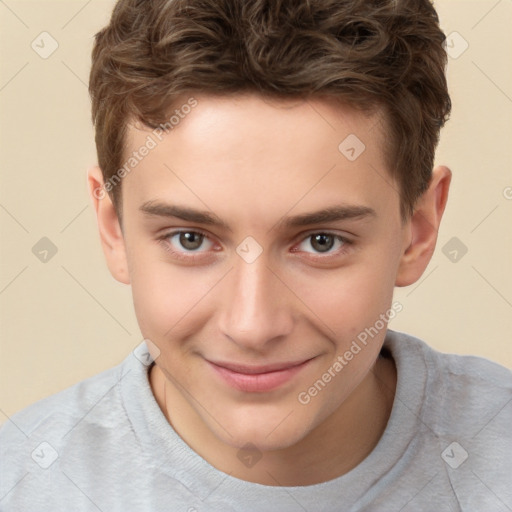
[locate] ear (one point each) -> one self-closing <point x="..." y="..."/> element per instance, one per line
<point x="422" y="228"/>
<point x="111" y="235"/>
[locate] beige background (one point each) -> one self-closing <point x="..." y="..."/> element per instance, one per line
<point x="67" y="319"/>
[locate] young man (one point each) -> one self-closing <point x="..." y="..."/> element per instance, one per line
<point x="265" y="180"/>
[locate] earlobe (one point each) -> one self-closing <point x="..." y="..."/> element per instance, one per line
<point x="422" y="228"/>
<point x="111" y="235"/>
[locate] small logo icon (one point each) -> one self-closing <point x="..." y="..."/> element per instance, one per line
<point x="45" y="455"/>
<point x="44" y="45"/>
<point x="146" y="352"/>
<point x="44" y="250"/>
<point x="454" y="250"/>
<point x="351" y="147"/>
<point x="454" y="455"/>
<point x="455" y="45"/>
<point x="249" y="249"/>
<point x="249" y="455"/>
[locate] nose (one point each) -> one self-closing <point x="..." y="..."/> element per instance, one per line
<point x="256" y="310"/>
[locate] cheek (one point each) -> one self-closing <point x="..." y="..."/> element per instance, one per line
<point x="162" y="293"/>
<point x="170" y="301"/>
<point x="348" y="299"/>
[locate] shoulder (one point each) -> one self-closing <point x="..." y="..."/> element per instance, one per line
<point x="37" y="435"/>
<point x="462" y="394"/>
<point x="451" y="370"/>
<point x="464" y="411"/>
<point x="62" y="409"/>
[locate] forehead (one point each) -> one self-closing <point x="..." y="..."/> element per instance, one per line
<point x="266" y="151"/>
<point x="265" y="119"/>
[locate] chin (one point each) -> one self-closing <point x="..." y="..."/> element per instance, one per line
<point x="261" y="441"/>
<point x="267" y="434"/>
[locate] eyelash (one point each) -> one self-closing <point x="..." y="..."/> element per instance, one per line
<point x="193" y="256"/>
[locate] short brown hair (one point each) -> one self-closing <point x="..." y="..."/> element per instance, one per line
<point x="370" y="54"/>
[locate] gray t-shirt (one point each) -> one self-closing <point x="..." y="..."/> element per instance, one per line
<point x="104" y="445"/>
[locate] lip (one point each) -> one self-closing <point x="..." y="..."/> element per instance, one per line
<point x="257" y="379"/>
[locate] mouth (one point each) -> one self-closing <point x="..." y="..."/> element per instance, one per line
<point x="257" y="379"/>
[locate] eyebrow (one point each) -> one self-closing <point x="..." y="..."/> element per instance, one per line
<point x="330" y="214"/>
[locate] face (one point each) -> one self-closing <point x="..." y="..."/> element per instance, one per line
<point x="258" y="251"/>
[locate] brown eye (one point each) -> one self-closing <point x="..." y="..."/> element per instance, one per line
<point x="322" y="242"/>
<point x="190" y="240"/>
<point x="185" y="242"/>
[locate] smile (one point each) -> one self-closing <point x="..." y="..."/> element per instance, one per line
<point x="257" y="379"/>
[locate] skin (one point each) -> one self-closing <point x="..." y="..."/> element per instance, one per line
<point x="254" y="162"/>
